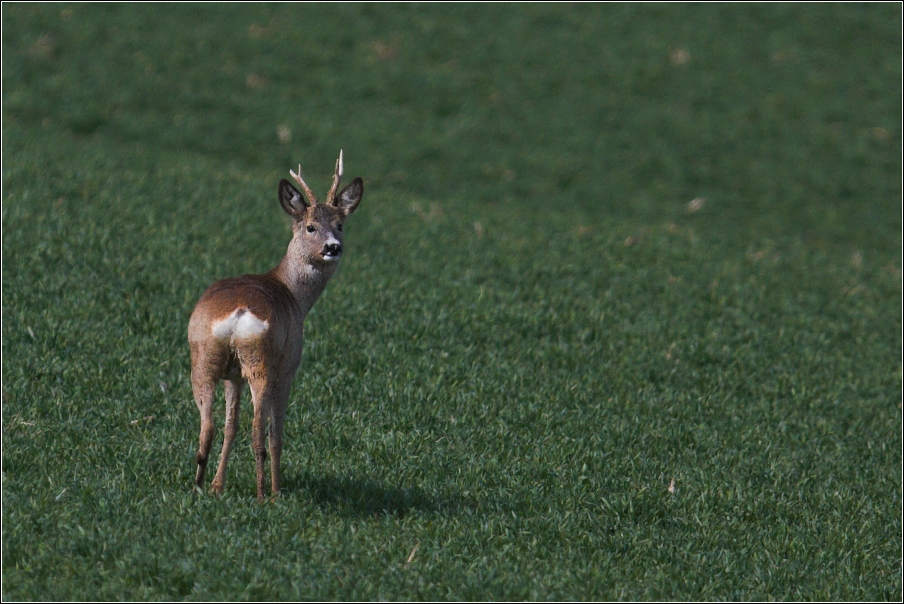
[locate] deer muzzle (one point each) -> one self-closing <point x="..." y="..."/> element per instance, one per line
<point x="332" y="251"/>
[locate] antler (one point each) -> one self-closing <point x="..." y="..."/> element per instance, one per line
<point x="337" y="176"/>
<point x="304" y="187"/>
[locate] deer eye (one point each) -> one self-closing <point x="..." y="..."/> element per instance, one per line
<point x="311" y="229"/>
<point x="339" y="226"/>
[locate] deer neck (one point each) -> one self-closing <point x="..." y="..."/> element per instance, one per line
<point x="304" y="279"/>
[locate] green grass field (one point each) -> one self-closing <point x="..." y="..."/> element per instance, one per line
<point x="601" y="247"/>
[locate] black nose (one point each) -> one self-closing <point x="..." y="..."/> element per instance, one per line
<point x="332" y="249"/>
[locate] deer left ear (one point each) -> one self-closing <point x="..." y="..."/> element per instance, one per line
<point x="291" y="200"/>
<point x="349" y="198"/>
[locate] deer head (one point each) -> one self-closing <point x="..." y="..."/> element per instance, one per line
<point x="317" y="227"/>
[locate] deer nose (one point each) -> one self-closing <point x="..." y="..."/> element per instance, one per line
<point x="332" y="249"/>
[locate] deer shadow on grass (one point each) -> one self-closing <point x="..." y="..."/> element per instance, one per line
<point x="362" y="498"/>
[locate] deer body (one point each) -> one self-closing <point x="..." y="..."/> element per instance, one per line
<point x="251" y="329"/>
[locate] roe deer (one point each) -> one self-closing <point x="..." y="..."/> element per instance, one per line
<point x="251" y="328"/>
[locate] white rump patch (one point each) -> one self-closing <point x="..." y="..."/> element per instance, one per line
<point x="240" y="324"/>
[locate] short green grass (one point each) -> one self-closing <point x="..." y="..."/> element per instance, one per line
<point x="534" y="331"/>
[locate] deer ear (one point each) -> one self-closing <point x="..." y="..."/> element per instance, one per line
<point x="292" y="201"/>
<point x="349" y="198"/>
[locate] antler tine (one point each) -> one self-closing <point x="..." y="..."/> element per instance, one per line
<point x="337" y="176"/>
<point x="304" y="187"/>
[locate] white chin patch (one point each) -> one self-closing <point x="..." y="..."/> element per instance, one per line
<point x="331" y="257"/>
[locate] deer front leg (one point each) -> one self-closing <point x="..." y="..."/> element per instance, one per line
<point x="233" y="388"/>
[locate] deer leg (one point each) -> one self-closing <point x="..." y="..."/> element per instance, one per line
<point x="204" y="395"/>
<point x="262" y="399"/>
<point x="233" y="388"/>
<point x="260" y="451"/>
<point x="277" y="420"/>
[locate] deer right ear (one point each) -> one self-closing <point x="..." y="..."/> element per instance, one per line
<point x="292" y="201"/>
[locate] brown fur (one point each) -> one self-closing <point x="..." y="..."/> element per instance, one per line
<point x="266" y="358"/>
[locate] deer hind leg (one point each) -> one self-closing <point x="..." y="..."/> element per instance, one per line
<point x="277" y="419"/>
<point x="262" y="399"/>
<point x="203" y="391"/>
<point x="233" y="390"/>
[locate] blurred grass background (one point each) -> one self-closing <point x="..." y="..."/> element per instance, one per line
<point x="601" y="247"/>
